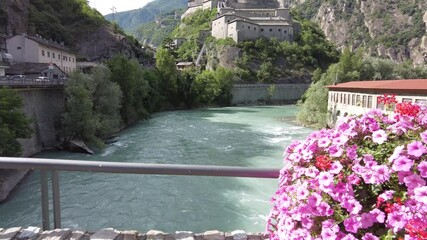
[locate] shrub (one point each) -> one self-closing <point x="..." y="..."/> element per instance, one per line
<point x="363" y="179"/>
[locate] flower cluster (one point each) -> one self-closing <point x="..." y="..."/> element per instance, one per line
<point x="364" y="179"/>
<point x="407" y="109"/>
<point x="387" y="99"/>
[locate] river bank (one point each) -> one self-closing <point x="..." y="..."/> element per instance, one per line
<point x="9" y="180"/>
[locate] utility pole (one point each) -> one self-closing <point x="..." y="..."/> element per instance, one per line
<point x="114" y="10"/>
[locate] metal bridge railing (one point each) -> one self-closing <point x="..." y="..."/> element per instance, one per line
<point x="55" y="166"/>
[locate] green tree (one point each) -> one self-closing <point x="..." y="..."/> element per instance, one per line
<point x="92" y="107"/>
<point x="130" y="77"/>
<point x="107" y="98"/>
<point x="314" y="109"/>
<point x="214" y="87"/>
<point x="13" y="123"/>
<point x="78" y="121"/>
<point x="168" y="74"/>
<point x="265" y="72"/>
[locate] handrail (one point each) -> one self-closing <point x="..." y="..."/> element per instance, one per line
<point x="56" y="165"/>
<point x="135" y="168"/>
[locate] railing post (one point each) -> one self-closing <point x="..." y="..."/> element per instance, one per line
<point x="45" y="199"/>
<point x="56" y="200"/>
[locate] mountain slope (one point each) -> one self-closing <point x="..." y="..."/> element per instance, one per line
<point x="385" y="28"/>
<point x="72" y="22"/>
<point x="156" y="31"/>
<point x="131" y="20"/>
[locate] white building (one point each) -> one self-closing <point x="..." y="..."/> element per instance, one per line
<point x="356" y="98"/>
<point x="30" y="49"/>
<point x="252" y="24"/>
<point x="5" y="61"/>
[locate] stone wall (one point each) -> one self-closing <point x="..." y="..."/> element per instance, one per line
<point x="44" y="107"/>
<point x="250" y="94"/>
<point x="32" y="233"/>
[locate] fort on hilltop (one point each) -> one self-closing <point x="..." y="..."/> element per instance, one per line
<point x="244" y="20"/>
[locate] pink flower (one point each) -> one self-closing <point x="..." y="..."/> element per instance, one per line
<point x="302" y="192"/>
<point x="402" y="163"/>
<point x="387" y="195"/>
<point x="424" y="136"/>
<point x="422" y="167"/>
<point x="335" y="151"/>
<point x="416" y="149"/>
<point x="335" y="168"/>
<point x="396" y="153"/>
<point x="352" y="206"/>
<point x="378" y="215"/>
<point x="352" y="152"/>
<point x="370" y="236"/>
<point x="396" y="221"/>
<point x="414" y="181"/>
<point x="381" y="174"/>
<point x="420" y="194"/>
<point x="324" y="142"/>
<point x="352" y="224"/>
<point x="379" y="136"/>
<point x="325" y="179"/>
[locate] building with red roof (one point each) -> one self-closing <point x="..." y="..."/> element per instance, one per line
<point x="359" y="96"/>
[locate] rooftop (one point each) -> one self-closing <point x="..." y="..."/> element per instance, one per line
<point x="390" y="86"/>
<point x="48" y="43"/>
<point x="28" y="68"/>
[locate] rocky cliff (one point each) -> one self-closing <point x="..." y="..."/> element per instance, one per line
<point x="80" y="27"/>
<point x="384" y="28"/>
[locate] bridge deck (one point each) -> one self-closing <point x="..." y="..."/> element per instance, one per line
<point x="32" y="83"/>
<point x="35" y="233"/>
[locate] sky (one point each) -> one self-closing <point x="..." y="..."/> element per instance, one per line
<point x="104" y="6"/>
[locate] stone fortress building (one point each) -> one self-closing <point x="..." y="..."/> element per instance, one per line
<point x="244" y="20"/>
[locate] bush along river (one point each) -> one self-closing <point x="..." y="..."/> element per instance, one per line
<point x="240" y="136"/>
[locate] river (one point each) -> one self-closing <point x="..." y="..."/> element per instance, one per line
<point x="239" y="136"/>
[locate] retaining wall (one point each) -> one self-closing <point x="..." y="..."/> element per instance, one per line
<point x="44" y="107"/>
<point x="250" y="94"/>
<point x="32" y="233"/>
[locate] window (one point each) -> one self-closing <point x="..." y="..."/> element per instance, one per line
<point x="407" y="100"/>
<point x="43" y="53"/>
<point x="369" y="102"/>
<point x="48" y="54"/>
<point x="59" y="56"/>
<point x="286" y="31"/>
<point x="353" y="99"/>
<point x="364" y="101"/>
<point x="271" y="29"/>
<point x="53" y="55"/>
<point x="19" y="48"/>
<point x="349" y="99"/>
<point x="262" y="29"/>
<point x="345" y="98"/>
<point x="358" y="100"/>
<point x="279" y="30"/>
<point x="421" y="101"/>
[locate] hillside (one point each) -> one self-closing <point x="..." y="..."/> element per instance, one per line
<point x="385" y="28"/>
<point x="156" y="31"/>
<point x="72" y="22"/>
<point x="131" y="20"/>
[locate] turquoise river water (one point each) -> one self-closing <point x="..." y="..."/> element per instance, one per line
<point x="240" y="136"/>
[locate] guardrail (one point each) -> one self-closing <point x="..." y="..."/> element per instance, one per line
<point x="56" y="165"/>
<point x="32" y="83"/>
